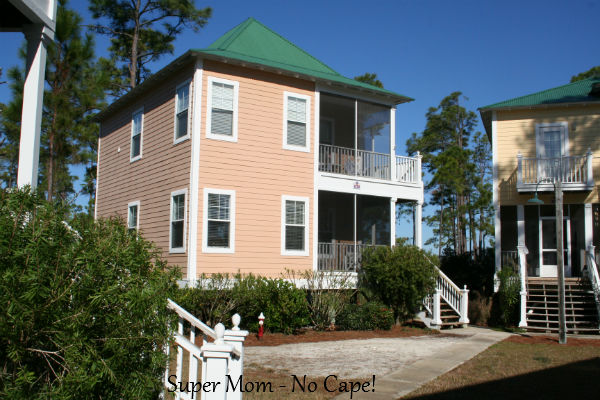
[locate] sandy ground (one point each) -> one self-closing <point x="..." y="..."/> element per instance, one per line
<point x="348" y="358"/>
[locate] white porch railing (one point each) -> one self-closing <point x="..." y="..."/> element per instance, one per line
<point x="592" y="272"/>
<point x="575" y="172"/>
<point x="457" y="299"/>
<point x="337" y="256"/>
<point x="347" y="161"/>
<point x="220" y="361"/>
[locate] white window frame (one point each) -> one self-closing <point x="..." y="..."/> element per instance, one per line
<point x="185" y="209"/>
<point x="137" y="221"/>
<point x="131" y="157"/>
<point x="287" y="146"/>
<point x="234" y="128"/>
<point x="539" y="140"/>
<point x="222" y="250"/>
<point x="189" y="109"/>
<point x="284" y="251"/>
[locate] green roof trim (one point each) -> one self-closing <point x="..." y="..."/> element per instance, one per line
<point x="576" y="92"/>
<point x="253" y="42"/>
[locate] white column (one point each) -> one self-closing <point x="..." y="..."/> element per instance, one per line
<point x="236" y="337"/>
<point x="520" y="225"/>
<point x="464" y="306"/>
<point x="418" y="224"/>
<point x="437" y="306"/>
<point x="215" y="362"/>
<point x="589" y="225"/>
<point x="392" y="145"/>
<point x="393" y="201"/>
<point x="31" y="117"/>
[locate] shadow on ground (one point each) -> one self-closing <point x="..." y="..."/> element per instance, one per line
<point x="567" y="381"/>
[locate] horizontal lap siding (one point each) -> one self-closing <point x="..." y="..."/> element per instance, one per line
<point x="259" y="170"/>
<point x="516" y="133"/>
<point x="163" y="168"/>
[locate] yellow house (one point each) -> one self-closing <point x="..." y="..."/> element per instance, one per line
<point x="538" y="140"/>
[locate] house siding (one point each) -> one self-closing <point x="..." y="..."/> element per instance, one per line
<point x="259" y="170"/>
<point x="515" y="130"/>
<point x="163" y="168"/>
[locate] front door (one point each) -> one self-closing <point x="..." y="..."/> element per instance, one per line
<point x="548" y="253"/>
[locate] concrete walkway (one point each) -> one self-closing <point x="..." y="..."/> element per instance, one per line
<point x="412" y="376"/>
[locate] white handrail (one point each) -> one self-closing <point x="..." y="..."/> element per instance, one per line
<point x="208" y="331"/>
<point x="592" y="271"/>
<point x="457" y="298"/>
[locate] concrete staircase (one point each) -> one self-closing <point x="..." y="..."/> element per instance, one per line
<point x="580" y="307"/>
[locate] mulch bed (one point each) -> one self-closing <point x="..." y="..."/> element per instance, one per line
<point x="275" y="339"/>
<point x="543" y="339"/>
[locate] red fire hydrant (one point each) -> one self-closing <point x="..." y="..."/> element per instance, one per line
<point x="261" y="328"/>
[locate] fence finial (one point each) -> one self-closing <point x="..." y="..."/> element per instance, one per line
<point x="220" y="331"/>
<point x="236" y="319"/>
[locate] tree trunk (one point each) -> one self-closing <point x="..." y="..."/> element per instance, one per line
<point x="133" y="63"/>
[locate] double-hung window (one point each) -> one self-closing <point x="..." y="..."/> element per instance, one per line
<point x="219" y="221"/>
<point x="182" y="104"/>
<point x="137" y="123"/>
<point x="294" y="226"/>
<point x="177" y="228"/>
<point x="222" y="109"/>
<point x="296" y="122"/>
<point x="133" y="213"/>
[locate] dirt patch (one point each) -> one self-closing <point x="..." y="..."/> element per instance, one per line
<point x="276" y="339"/>
<point x="542" y="339"/>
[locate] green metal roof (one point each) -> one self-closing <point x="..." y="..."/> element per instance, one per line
<point x="575" y="92"/>
<point x="253" y="42"/>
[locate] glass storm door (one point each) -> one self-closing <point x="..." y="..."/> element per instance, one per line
<point x="548" y="253"/>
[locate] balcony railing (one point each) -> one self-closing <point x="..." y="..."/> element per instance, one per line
<point x="539" y="173"/>
<point x="363" y="163"/>
<point x="338" y="256"/>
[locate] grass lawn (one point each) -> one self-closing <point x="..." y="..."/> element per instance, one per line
<point x="522" y="367"/>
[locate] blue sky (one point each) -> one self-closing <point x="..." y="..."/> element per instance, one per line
<point x="490" y="51"/>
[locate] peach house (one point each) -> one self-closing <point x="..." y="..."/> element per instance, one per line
<point x="251" y="155"/>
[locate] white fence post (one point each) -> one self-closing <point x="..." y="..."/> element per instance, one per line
<point x="464" y="307"/>
<point x="523" y="278"/>
<point x="236" y="337"/>
<point x="437" y="318"/>
<point x="215" y="362"/>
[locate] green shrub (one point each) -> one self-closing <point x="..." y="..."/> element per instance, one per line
<point x="282" y="303"/>
<point x="365" y="317"/>
<point x="509" y="297"/>
<point x="210" y="300"/>
<point x="400" y="277"/>
<point x="84" y="310"/>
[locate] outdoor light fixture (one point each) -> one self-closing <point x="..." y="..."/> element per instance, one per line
<point x="558" y="193"/>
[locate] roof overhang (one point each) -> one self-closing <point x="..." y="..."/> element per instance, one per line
<point x="17" y="15"/>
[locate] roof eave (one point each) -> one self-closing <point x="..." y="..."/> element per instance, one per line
<point x="146" y="85"/>
<point x="394" y="98"/>
<point x="540" y="106"/>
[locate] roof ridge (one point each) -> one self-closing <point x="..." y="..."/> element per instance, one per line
<point x="294" y="45"/>
<point x="238" y="31"/>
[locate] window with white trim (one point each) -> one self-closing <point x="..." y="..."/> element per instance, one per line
<point x="177" y="228"/>
<point x="552" y="140"/>
<point x="222" y="109"/>
<point x="294" y="223"/>
<point x="137" y="123"/>
<point x="133" y="212"/>
<point x="296" y="122"/>
<point x="182" y="104"/>
<point x="219" y="221"/>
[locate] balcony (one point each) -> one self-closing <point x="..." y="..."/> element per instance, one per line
<point x="341" y="256"/>
<point x="369" y="164"/>
<point x="575" y="173"/>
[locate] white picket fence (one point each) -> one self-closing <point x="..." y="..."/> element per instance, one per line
<point x="221" y="361"/>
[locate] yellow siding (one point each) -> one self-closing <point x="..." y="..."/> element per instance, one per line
<point x="259" y="170"/>
<point x="515" y="130"/>
<point x="163" y="168"/>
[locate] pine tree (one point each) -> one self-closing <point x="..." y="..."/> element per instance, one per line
<point x="74" y="90"/>
<point x="135" y="35"/>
